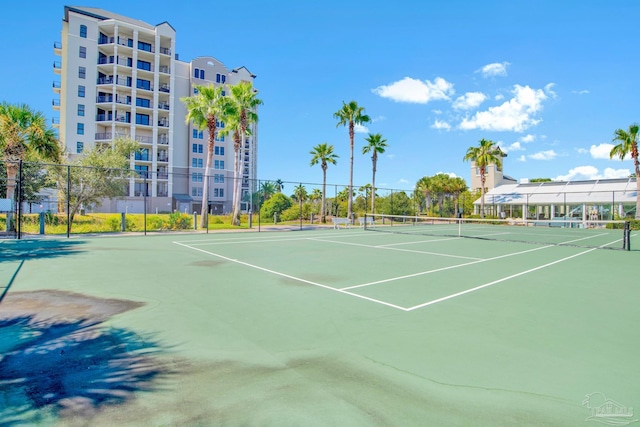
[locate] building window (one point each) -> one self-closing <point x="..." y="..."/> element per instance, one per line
<point x="195" y="134"/>
<point x="218" y="164"/>
<point x="219" y="138"/>
<point x="195" y="90"/>
<point x="81" y="91"/>
<point x="219" y="124"/>
<point x="83" y="52"/>
<point x="218" y="178"/>
<point x="81" y="109"/>
<point x="144" y="46"/>
<point x="143" y="84"/>
<point x="218" y="192"/>
<point x="144" y="65"/>
<point x="142" y="102"/>
<point x="221" y="78"/>
<point x="197" y="148"/>
<point x="80" y="129"/>
<point x="83" y="31"/>
<point x="82" y="72"/>
<point x="142" y="119"/>
<point x="79" y="147"/>
<point x="196" y="191"/>
<point x="200" y="148"/>
<point x="196" y="73"/>
<point x="201" y="135"/>
<point x="202" y="74"/>
<point x="196" y="177"/>
<point x="219" y="151"/>
<point x="224" y="93"/>
<point x="196" y="163"/>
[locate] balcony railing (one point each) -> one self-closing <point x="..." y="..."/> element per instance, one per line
<point x="55" y="102"/>
<point x="163" y="157"/>
<point x="105" y="81"/>
<point x="57" y="85"/>
<point x="106" y="40"/>
<point x="165" y="50"/>
<point x="163" y="140"/>
<point x="55" y="120"/>
<point x="145" y="139"/>
<point x="123" y="100"/>
<point x="57" y="45"/>
<point x="163" y="123"/>
<point x="57" y="65"/>
<point x="164" y="88"/>
<point x="163" y="105"/>
<point x="164" y="69"/>
<point x="102" y="136"/>
<point x="163" y="193"/>
<point x="123" y="119"/>
<point x="123" y="81"/>
<point x="102" y="99"/>
<point x="163" y="175"/>
<point x="125" y="42"/>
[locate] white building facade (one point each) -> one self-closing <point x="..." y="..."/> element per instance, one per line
<point x="121" y="77"/>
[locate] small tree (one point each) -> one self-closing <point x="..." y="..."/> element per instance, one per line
<point x="628" y="145"/>
<point x="101" y="172"/>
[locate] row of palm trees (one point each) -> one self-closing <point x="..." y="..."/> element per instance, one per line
<point x="350" y="115"/>
<point x="210" y="106"/>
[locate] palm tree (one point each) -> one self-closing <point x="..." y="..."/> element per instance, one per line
<point x="350" y="115"/>
<point x="268" y="189"/>
<point x="279" y="185"/>
<point x="300" y="193"/>
<point x="457" y="186"/>
<point x="241" y="113"/>
<point x="376" y="145"/>
<point x="204" y="109"/>
<point x="628" y="144"/>
<point x="485" y="154"/>
<point x="323" y="154"/>
<point x="423" y="191"/>
<point x="315" y="196"/>
<point x="24" y="135"/>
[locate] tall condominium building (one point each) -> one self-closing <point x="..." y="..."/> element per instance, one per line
<point x="121" y="77"/>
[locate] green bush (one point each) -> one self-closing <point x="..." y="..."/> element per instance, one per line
<point x="179" y="221"/>
<point x="278" y="203"/>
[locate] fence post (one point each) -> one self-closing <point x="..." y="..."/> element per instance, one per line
<point x="123" y="222"/>
<point x="195" y="220"/>
<point x="41" y="222"/>
<point x="19" y="199"/>
<point x="69" y="201"/>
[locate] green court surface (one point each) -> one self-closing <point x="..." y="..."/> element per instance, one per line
<point x="315" y="328"/>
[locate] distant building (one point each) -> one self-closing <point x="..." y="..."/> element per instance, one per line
<point x="493" y="176"/>
<point x="121" y="77"/>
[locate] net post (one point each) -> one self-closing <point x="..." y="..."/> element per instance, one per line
<point x="626" y="238"/>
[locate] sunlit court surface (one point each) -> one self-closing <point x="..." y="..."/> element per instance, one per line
<point x="346" y="326"/>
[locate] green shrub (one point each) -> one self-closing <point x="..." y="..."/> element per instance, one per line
<point x="179" y="221"/>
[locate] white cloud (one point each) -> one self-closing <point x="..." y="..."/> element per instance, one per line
<point x="516" y="146"/>
<point x="378" y="119"/>
<point x="442" y="125"/>
<point x="528" y="138"/>
<point x="543" y="155"/>
<point x="499" y="97"/>
<point x="495" y="69"/>
<point x="436" y="111"/>
<point x="357" y="128"/>
<point x="514" y="115"/>
<point x="548" y="89"/>
<point x="522" y="158"/>
<point x="582" y="150"/>
<point x="403" y="181"/>
<point x="391" y="156"/>
<point x="591" y="172"/>
<point x="416" y="91"/>
<point x="469" y="100"/>
<point x="451" y="174"/>
<point x="580" y="92"/>
<point x="601" y="151"/>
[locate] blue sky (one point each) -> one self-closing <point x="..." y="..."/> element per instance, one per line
<point x="549" y="81"/>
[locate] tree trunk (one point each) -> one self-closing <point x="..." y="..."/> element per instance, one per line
<point x="373" y="187"/>
<point x="12" y="173"/>
<point x="350" y="198"/>
<point x="482" y="179"/>
<point x="211" y="127"/>
<point x="323" y="214"/>
<point x="235" y="218"/>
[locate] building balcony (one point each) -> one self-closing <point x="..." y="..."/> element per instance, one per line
<point x="165" y="51"/>
<point x="163" y="175"/>
<point x="57" y="48"/>
<point x="163" y="193"/>
<point x="163" y="105"/>
<point x="56" y="104"/>
<point x="106" y="40"/>
<point x="104" y="136"/>
<point x="55" y="122"/>
<point x="164" y="88"/>
<point x="163" y="157"/>
<point x="104" y="99"/>
<point x="57" y="67"/>
<point x="56" y="87"/>
<point x="144" y="139"/>
<point x="105" y="81"/>
<point x="143" y="157"/>
<point x="163" y="140"/>
<point x="163" y="123"/>
<point x="164" y="69"/>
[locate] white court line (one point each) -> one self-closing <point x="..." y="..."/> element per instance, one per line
<point x="250" y="240"/>
<point x="394" y="249"/>
<point x="486" y="285"/>
<point x="417" y="241"/>
<point x="277" y="273"/>
<point x="422" y="273"/>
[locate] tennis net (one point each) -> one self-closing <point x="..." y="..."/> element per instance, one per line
<point x="562" y="232"/>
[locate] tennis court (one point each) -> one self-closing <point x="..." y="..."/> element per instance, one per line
<point x="317" y="327"/>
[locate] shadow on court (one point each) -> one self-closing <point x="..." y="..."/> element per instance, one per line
<point x="18" y="250"/>
<point x="70" y="367"/>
